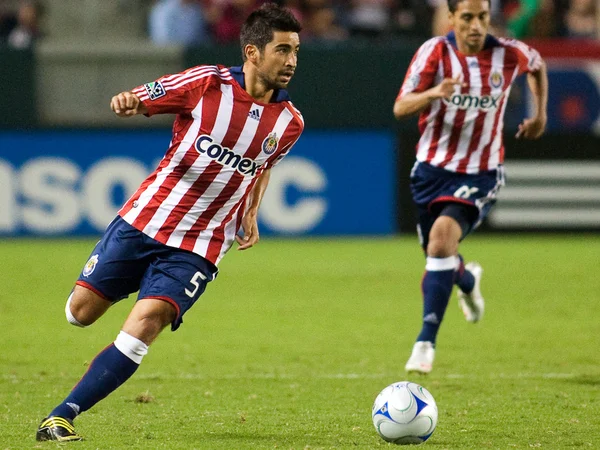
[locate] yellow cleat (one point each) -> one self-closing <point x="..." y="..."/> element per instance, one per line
<point x="56" y="428"/>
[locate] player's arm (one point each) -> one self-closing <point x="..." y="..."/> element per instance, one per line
<point x="250" y="219"/>
<point x="127" y="104"/>
<point x="533" y="128"/>
<point x="414" y="102"/>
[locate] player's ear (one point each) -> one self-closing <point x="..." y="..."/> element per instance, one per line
<point x="252" y="53"/>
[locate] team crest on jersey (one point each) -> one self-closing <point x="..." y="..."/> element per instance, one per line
<point x="90" y="266"/>
<point x="269" y="145"/>
<point x="155" y="90"/>
<point x="496" y="80"/>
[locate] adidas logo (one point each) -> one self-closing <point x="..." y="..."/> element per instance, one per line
<point x="74" y="407"/>
<point x="254" y="114"/>
<point x="431" y="318"/>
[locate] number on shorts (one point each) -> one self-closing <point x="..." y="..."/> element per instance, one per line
<point x="194" y="282"/>
<point x="465" y="191"/>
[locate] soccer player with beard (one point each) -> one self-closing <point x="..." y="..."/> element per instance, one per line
<point x="459" y="84"/>
<point x="232" y="126"/>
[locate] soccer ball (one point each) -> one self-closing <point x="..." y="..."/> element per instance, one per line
<point x="405" y="413"/>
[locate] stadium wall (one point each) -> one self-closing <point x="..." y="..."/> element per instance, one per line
<point x="71" y="183"/>
<point x="338" y="89"/>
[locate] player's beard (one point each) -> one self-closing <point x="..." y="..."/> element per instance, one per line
<point x="271" y="82"/>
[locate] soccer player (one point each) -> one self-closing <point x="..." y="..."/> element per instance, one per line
<point x="232" y="126"/>
<point x="460" y="84"/>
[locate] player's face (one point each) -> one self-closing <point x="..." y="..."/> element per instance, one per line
<point x="470" y="22"/>
<point x="279" y="59"/>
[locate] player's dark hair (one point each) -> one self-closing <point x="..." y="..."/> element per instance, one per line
<point x="453" y="4"/>
<point x="259" y="26"/>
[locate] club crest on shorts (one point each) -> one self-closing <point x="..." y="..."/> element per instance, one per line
<point x="90" y="266"/>
<point x="270" y="143"/>
<point x="155" y="90"/>
<point x="496" y="79"/>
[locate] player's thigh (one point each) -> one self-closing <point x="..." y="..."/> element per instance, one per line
<point x="178" y="278"/>
<point x="471" y="197"/>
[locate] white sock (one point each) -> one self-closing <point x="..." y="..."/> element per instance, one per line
<point x="70" y="317"/>
<point x="441" y="264"/>
<point x="131" y="347"/>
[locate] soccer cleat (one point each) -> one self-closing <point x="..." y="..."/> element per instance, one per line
<point x="56" y="428"/>
<point x="421" y="358"/>
<point x="472" y="304"/>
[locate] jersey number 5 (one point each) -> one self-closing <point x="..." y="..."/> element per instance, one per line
<point x="195" y="283"/>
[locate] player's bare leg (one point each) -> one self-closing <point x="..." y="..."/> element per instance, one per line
<point x="84" y="306"/>
<point x="437" y="284"/>
<point x="148" y="318"/>
<point x="111" y="368"/>
<point x="444" y="238"/>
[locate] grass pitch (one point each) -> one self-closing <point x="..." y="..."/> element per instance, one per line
<point x="290" y="345"/>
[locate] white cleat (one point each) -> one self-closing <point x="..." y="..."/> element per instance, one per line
<point x="472" y="304"/>
<point x="421" y="358"/>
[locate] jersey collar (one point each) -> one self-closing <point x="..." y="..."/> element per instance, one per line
<point x="490" y="41"/>
<point x="279" y="95"/>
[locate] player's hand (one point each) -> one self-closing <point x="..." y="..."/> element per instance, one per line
<point x="250" y="229"/>
<point x="531" y="128"/>
<point x="447" y="87"/>
<point x="126" y="104"/>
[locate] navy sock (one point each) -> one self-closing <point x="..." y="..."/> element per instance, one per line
<point x="463" y="278"/>
<point x="437" y="285"/>
<point x="107" y="372"/>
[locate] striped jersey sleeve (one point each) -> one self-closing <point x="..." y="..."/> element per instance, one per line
<point x="423" y="68"/>
<point x="529" y="59"/>
<point x="176" y="94"/>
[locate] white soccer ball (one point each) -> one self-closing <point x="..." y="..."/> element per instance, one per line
<point x="405" y="413"/>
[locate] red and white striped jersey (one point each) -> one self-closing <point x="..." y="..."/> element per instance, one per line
<point x="223" y="140"/>
<point x="464" y="133"/>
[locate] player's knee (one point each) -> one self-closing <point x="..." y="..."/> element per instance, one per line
<point x="444" y="238"/>
<point x="72" y="317"/>
<point x="148" y="318"/>
<point x="438" y="247"/>
<point x="157" y="311"/>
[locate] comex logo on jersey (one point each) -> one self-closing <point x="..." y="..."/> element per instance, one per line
<point x="224" y="156"/>
<point x="465" y="101"/>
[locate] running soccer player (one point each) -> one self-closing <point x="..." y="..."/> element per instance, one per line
<point x="232" y="126"/>
<point x="460" y="84"/>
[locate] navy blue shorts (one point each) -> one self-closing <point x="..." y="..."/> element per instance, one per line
<point x="432" y="188"/>
<point x="126" y="260"/>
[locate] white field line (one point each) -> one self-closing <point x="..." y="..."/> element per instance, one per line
<point x="333" y="376"/>
<point x="353" y="376"/>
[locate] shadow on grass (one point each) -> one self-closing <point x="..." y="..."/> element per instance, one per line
<point x="251" y="437"/>
<point x="585" y="380"/>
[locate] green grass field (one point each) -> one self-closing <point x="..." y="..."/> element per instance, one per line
<point x="290" y="345"/>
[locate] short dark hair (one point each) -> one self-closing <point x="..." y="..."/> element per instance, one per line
<point x="259" y="26"/>
<point x="453" y="4"/>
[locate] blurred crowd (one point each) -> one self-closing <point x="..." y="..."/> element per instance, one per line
<point x="326" y="22"/>
<point x="332" y="21"/>
<point x="20" y="23"/>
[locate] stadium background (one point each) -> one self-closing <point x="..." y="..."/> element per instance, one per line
<point x="66" y="164"/>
